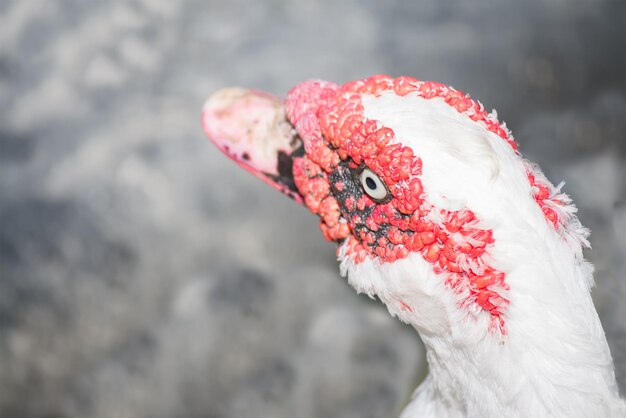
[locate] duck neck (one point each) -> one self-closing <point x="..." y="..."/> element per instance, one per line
<point x="552" y="359"/>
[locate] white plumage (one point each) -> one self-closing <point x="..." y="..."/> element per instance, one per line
<point x="555" y="359"/>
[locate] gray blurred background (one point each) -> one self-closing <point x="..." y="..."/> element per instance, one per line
<point x="142" y="274"/>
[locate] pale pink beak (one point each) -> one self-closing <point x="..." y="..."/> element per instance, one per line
<point x="250" y="127"/>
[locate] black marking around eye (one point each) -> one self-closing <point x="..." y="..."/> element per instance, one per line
<point x="351" y="188"/>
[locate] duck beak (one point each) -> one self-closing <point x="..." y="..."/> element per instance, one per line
<point x="250" y="127"/>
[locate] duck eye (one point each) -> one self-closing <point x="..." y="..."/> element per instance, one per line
<point x="373" y="185"/>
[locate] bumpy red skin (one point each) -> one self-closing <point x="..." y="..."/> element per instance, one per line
<point x="337" y="136"/>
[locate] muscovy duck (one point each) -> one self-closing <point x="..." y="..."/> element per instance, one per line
<point x="437" y="214"/>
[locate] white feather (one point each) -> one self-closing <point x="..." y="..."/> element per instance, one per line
<point x="554" y="361"/>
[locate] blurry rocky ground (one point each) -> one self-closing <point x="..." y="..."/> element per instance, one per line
<point x="144" y="275"/>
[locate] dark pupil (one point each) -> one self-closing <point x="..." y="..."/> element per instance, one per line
<point x="370" y="183"/>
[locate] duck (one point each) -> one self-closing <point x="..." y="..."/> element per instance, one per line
<point x="436" y="213"/>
